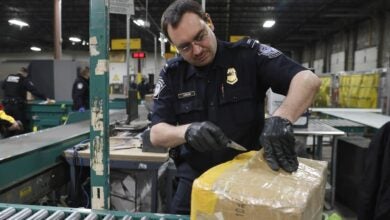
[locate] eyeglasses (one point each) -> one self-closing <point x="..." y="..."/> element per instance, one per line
<point x="198" y="39"/>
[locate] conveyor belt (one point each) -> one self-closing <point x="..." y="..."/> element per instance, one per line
<point x="29" y="212"/>
<point x="30" y="154"/>
<point x="367" y="118"/>
<point x="28" y="142"/>
<point x="340" y="123"/>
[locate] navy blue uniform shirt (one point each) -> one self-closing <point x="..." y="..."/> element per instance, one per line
<point x="15" y="87"/>
<point x="229" y="92"/>
<point x="80" y="93"/>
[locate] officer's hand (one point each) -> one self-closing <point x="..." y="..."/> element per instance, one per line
<point x="205" y="136"/>
<point x="17" y="125"/>
<point x="278" y="142"/>
<point x="82" y="109"/>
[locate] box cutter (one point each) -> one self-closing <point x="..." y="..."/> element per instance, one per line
<point x="236" y="146"/>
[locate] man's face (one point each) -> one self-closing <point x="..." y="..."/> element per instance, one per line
<point x="194" y="39"/>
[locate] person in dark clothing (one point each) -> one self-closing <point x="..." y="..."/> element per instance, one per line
<point x="214" y="92"/>
<point x="80" y="91"/>
<point x="15" y="88"/>
<point x="8" y="125"/>
<point x="143" y="88"/>
<point x="374" y="191"/>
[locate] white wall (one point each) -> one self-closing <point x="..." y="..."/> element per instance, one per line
<point x="366" y="59"/>
<point x="318" y="66"/>
<point x="11" y="62"/>
<point x="337" y="62"/>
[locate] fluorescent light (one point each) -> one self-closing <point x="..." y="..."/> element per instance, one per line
<point x="268" y="23"/>
<point x="35" y="48"/>
<point x="75" y="39"/>
<point x="142" y="23"/>
<point x="18" y="22"/>
<point x="165" y="39"/>
<point x="139" y="22"/>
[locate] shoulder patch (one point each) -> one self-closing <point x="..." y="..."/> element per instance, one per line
<point x="160" y="85"/>
<point x="172" y="63"/>
<point x="80" y="85"/>
<point x="268" y="51"/>
<point x="245" y="42"/>
<point x="13" y="79"/>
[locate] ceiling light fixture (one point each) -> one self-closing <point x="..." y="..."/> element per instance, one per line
<point x="165" y="39"/>
<point x="141" y="23"/>
<point x="33" y="48"/>
<point x="268" y="23"/>
<point x="75" y="39"/>
<point x="17" y="22"/>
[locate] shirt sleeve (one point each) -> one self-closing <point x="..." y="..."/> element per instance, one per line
<point x="163" y="110"/>
<point x="29" y="85"/>
<point x="276" y="69"/>
<point x="9" y="120"/>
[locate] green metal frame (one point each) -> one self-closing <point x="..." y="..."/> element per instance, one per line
<point x="16" y="169"/>
<point x="99" y="37"/>
<point x="47" y="115"/>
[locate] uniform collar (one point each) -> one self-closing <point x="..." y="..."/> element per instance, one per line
<point x="222" y="59"/>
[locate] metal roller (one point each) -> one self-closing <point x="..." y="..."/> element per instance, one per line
<point x="74" y="216"/>
<point x="126" y="217"/>
<point x="91" y="216"/>
<point x="41" y="214"/>
<point x="57" y="215"/>
<point x="22" y="214"/>
<point x="109" y="217"/>
<point x="7" y="213"/>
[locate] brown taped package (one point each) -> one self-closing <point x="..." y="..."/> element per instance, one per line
<point x="246" y="188"/>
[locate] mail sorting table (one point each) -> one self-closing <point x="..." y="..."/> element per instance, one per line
<point x="318" y="130"/>
<point x="124" y="156"/>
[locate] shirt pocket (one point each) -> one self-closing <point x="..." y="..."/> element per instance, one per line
<point x="189" y="110"/>
<point x="238" y="105"/>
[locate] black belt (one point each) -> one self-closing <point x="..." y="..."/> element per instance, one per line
<point x="13" y="101"/>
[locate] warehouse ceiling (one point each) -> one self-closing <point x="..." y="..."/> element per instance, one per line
<point x="298" y="22"/>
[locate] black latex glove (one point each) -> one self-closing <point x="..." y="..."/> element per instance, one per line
<point x="278" y="142"/>
<point x="205" y="136"/>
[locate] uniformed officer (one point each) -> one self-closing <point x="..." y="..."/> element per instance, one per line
<point x="215" y="92"/>
<point x="15" y="88"/>
<point x="80" y="91"/>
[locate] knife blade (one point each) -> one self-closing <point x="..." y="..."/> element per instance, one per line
<point x="236" y="146"/>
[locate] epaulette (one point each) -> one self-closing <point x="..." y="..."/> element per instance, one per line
<point x="172" y="63"/>
<point x="245" y="42"/>
<point x="262" y="49"/>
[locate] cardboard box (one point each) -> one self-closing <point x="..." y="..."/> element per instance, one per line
<point x="246" y="188"/>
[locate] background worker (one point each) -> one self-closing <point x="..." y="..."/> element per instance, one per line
<point x="80" y="91"/>
<point x="143" y="87"/>
<point x="8" y="125"/>
<point x="15" y="88"/>
<point x="215" y="92"/>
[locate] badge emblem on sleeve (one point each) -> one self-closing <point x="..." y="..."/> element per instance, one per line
<point x="159" y="87"/>
<point x="231" y="76"/>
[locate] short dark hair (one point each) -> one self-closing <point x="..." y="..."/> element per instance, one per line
<point x="173" y="14"/>
<point x="24" y="69"/>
